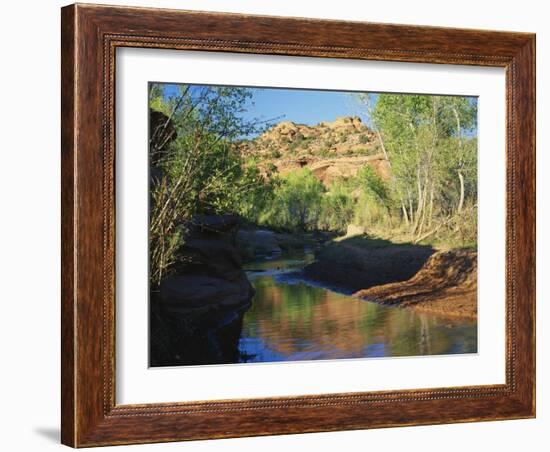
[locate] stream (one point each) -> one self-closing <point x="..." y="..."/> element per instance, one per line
<point x="295" y="319"/>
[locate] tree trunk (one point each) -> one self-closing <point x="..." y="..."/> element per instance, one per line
<point x="423" y="216"/>
<point x="376" y="129"/>
<point x="405" y="215"/>
<point x="460" y="175"/>
<point x="431" y="205"/>
<point x="411" y="217"/>
<point x="419" y="202"/>
<point x="461" y="200"/>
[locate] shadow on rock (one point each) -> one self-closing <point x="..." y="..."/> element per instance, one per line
<point x="196" y="316"/>
<point x="360" y="262"/>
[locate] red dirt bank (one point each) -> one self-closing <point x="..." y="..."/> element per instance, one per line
<point x="446" y="285"/>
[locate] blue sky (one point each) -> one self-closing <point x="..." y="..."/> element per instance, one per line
<point x="299" y="105"/>
<point x="304" y="106"/>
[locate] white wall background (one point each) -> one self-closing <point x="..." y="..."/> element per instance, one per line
<point x="29" y="229"/>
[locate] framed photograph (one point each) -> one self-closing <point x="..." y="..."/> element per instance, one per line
<point x="281" y="225"/>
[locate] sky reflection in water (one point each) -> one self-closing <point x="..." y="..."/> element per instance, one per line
<point x="291" y="320"/>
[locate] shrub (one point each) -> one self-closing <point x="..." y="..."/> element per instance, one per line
<point x="296" y="203"/>
<point x="364" y="139"/>
<point x="337" y="208"/>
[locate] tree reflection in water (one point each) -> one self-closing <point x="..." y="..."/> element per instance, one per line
<point x="291" y="319"/>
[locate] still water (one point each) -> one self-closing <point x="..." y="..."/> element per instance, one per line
<point x="294" y="319"/>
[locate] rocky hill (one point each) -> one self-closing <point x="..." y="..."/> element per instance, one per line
<point x="330" y="149"/>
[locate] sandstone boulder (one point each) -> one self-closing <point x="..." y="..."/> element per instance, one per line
<point x="182" y="293"/>
<point x="357" y="262"/>
<point x="208" y="273"/>
<point x="257" y="242"/>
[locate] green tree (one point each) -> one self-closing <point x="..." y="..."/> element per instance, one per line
<point x="296" y="203"/>
<point x="374" y="203"/>
<point x="337" y="207"/>
<point x="432" y="159"/>
<point x="201" y="170"/>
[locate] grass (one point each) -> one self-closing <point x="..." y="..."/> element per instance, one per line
<point x="381" y="238"/>
<point x="365" y="241"/>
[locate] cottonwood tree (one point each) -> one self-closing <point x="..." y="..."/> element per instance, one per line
<point x="428" y="140"/>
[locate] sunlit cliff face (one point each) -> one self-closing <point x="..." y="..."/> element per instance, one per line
<point x="329" y="149"/>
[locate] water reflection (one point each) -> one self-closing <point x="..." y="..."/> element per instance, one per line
<point x="291" y="319"/>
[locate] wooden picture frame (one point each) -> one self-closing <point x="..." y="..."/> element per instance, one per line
<point x="90" y="36"/>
